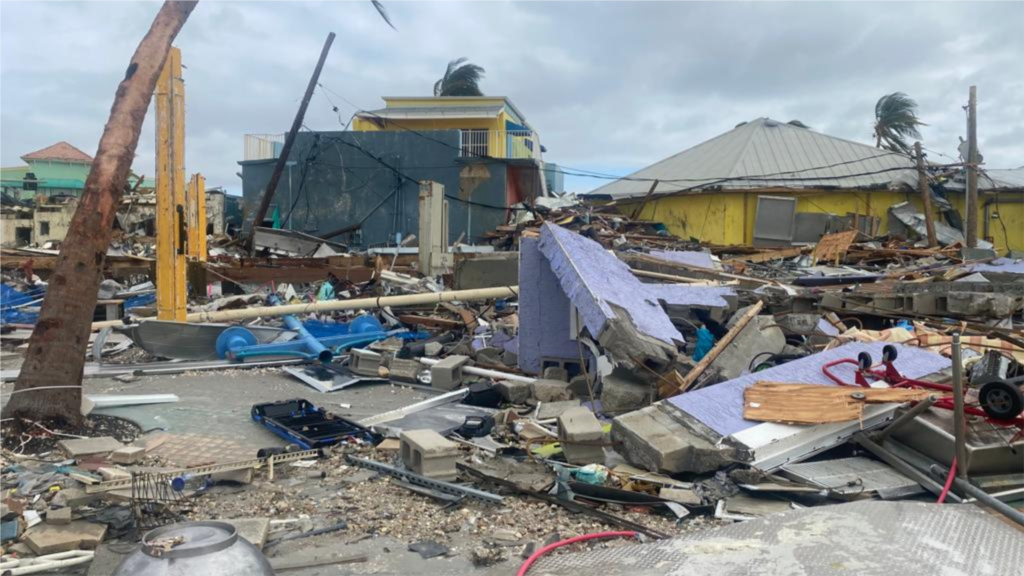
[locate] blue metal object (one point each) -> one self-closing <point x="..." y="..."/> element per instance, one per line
<point x="365" y="324"/>
<point x="310" y="343"/>
<point x="233" y="338"/>
<point x="299" y="348"/>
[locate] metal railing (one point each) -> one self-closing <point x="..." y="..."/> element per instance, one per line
<point x="263" y="146"/>
<point x="500" y="144"/>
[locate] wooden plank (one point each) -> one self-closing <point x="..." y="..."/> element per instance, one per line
<point x="431" y="321"/>
<point x="692" y="375"/>
<point x="832" y="247"/>
<point x="767" y="256"/>
<point x="818" y="404"/>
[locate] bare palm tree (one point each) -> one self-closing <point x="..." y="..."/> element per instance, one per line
<point x="460" y="79"/>
<point x="896" y="119"/>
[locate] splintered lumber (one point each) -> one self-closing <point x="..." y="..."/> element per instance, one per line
<point x="818" y="404"/>
<point x="766" y="256"/>
<point x="706" y="361"/>
<point x="832" y="247"/>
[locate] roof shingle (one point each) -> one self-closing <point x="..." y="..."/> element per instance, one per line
<point x="61" y="151"/>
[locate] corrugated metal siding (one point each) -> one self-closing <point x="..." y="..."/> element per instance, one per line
<point x="769" y="154"/>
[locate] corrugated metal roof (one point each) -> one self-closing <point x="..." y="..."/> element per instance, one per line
<point x="767" y="153"/>
<point x="408" y="112"/>
<point x="1000" y="179"/>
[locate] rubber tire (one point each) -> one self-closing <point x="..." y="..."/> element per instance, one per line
<point x="864" y="360"/>
<point x="1001" y="400"/>
<point x="889" y="353"/>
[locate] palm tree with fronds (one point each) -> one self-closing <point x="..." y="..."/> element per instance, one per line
<point x="896" y="119"/>
<point x="460" y="79"/>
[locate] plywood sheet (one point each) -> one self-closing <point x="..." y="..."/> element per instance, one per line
<point x="813" y="404"/>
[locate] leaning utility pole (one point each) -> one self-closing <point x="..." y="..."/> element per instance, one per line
<point x="926" y="195"/>
<point x="972" y="169"/>
<point x="286" y="149"/>
<point x="56" y="351"/>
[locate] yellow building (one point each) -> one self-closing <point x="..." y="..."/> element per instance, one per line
<point x="490" y="126"/>
<point x="770" y="183"/>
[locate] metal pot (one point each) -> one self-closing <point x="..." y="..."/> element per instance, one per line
<point x="190" y="548"/>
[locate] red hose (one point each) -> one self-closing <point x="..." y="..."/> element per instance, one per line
<point x="949" y="482"/>
<point x="536" y="555"/>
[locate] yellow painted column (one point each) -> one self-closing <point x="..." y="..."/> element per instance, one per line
<point x="170" y="190"/>
<point x="195" y="202"/>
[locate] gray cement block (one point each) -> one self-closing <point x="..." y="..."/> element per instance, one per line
<point x="556" y="373"/>
<point x="578" y="431"/>
<point x="255" y="530"/>
<point x="580" y="386"/>
<point x="685" y="497"/>
<point x="447" y="374"/>
<point x="402" y="370"/>
<point x="626" y="345"/>
<point x="127" y="455"/>
<point x="551" y="390"/>
<point x="88" y="446"/>
<point x="365" y="362"/>
<point x="513" y="392"/>
<point x="549" y="410"/>
<point x="53" y="538"/>
<point x="620" y="392"/>
<point x="60" y="515"/>
<point x="651" y="439"/>
<point x="428" y="453"/>
<point x="757" y="337"/>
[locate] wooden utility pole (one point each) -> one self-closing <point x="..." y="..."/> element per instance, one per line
<point x="286" y="149"/>
<point x="926" y="195"/>
<point x="56" y="350"/>
<point x="972" y="169"/>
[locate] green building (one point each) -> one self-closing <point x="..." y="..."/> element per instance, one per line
<point x="58" y="170"/>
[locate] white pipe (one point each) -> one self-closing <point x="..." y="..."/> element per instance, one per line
<point x="485" y="373"/>
<point x="335" y="305"/>
<point x="20" y="566"/>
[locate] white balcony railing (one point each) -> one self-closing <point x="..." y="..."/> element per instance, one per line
<point x="500" y="144"/>
<point x="263" y="146"/>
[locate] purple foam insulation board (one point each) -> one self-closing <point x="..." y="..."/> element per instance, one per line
<point x="1001" y="265"/>
<point x="544" y="311"/>
<point x="690" y="295"/>
<point x="594" y="280"/>
<point x="826" y="327"/>
<point x="697" y="259"/>
<point x="720" y="407"/>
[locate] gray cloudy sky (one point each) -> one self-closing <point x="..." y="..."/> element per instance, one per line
<point x="610" y="86"/>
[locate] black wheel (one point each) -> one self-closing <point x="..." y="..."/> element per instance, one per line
<point x="1001" y="400"/>
<point x="864" y="360"/>
<point x="889" y="353"/>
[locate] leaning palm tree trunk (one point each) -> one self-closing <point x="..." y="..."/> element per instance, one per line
<point x="56" y="351"/>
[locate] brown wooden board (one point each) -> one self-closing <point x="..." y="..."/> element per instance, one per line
<point x="817" y="404"/>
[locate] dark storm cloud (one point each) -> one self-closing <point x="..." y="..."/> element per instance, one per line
<point x="610" y="86"/>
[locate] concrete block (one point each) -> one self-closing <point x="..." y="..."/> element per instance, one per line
<point x="447" y="374"/>
<point x="621" y="392"/>
<point x="626" y="345"/>
<point x="551" y="410"/>
<point x="551" y="390"/>
<point x="255" y="530"/>
<point x="114" y="473"/>
<point x="581" y="386"/>
<point x="87" y="446"/>
<point x="578" y="430"/>
<point x="513" y="392"/>
<point x="428" y="453"/>
<point x="243" y="476"/>
<point x="653" y="440"/>
<point x="556" y="373"/>
<point x="402" y="370"/>
<point x="757" y="337"/>
<point x="926" y="303"/>
<point x="53" y="538"/>
<point x="365" y="362"/>
<point x="73" y="497"/>
<point x="127" y="455"/>
<point x="685" y="497"/>
<point x="60" y="515"/>
<point x="981" y="304"/>
<point x="490" y="355"/>
<point x="432" y="349"/>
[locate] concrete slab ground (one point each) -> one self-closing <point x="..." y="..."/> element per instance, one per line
<point x="211" y="422"/>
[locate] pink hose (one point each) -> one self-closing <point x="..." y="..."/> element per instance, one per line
<point x="536" y="555"/>
<point x="949" y="482"/>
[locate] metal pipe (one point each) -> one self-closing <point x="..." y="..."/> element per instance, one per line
<point x="336" y="305"/>
<point x="959" y="420"/>
<point x="309" y="341"/>
<point x="901" y="466"/>
<point x="906" y="418"/>
<point x="495" y="374"/>
<point x="985" y="498"/>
